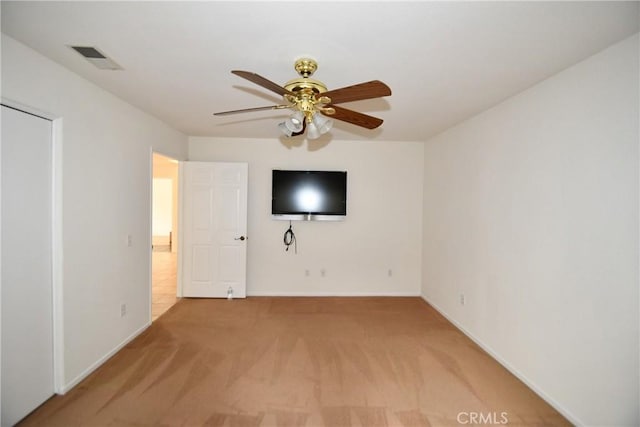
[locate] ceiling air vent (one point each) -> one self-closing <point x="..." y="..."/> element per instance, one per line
<point x="96" y="57"/>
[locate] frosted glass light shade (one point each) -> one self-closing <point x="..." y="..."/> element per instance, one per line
<point x="322" y="123"/>
<point x="312" y="131"/>
<point x="284" y="129"/>
<point x="295" y="122"/>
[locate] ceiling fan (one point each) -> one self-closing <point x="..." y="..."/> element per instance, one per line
<point x="313" y="105"/>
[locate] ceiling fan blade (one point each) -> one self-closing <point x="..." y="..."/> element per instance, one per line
<point x="261" y="81"/>
<point x="354" y="117"/>
<point x="368" y="90"/>
<point x="247" y="110"/>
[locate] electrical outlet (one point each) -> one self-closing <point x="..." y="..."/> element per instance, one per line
<point x="461" y="299"/>
<point x="390" y="273"/>
<point x="306" y="272"/>
<point x="323" y="272"/>
<point x="123" y="310"/>
<point x="129" y="240"/>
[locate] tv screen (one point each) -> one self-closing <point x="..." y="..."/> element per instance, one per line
<point x="308" y="195"/>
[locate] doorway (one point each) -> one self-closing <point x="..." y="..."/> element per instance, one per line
<point x="164" y="247"/>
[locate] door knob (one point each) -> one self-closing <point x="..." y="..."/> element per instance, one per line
<point x="240" y="238"/>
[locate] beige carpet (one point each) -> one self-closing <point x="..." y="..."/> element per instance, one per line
<point x="299" y="362"/>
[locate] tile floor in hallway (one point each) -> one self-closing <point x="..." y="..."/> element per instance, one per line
<point x="164" y="278"/>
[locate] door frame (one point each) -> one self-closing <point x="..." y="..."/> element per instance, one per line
<point x="179" y="269"/>
<point x="57" y="256"/>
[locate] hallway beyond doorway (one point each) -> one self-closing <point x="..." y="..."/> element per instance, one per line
<point x="163" y="295"/>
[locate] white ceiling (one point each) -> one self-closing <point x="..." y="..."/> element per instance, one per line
<point x="444" y="61"/>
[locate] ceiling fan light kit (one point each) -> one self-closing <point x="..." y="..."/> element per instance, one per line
<point x="312" y="104"/>
<point x="294" y="124"/>
<point x="319" y="125"/>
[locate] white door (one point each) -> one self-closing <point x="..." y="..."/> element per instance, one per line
<point x="215" y="225"/>
<point x="27" y="324"/>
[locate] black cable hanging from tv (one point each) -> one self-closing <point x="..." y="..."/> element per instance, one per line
<point x="289" y="239"/>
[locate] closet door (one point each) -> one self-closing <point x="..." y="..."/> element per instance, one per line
<point x="26" y="291"/>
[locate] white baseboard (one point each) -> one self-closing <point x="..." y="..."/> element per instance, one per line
<point x="333" y="294"/>
<point x="568" y="415"/>
<point x="103" y="359"/>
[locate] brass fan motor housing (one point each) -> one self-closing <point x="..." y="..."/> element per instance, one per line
<point x="305" y="89"/>
<point x="305" y="67"/>
<point x="305" y="83"/>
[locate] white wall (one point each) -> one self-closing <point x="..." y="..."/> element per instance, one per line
<point x="382" y="230"/>
<point x="106" y="178"/>
<point x="531" y="211"/>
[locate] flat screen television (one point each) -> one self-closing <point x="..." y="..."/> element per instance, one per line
<point x="309" y="195"/>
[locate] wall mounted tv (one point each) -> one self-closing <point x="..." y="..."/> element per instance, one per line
<point x="309" y="195"/>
